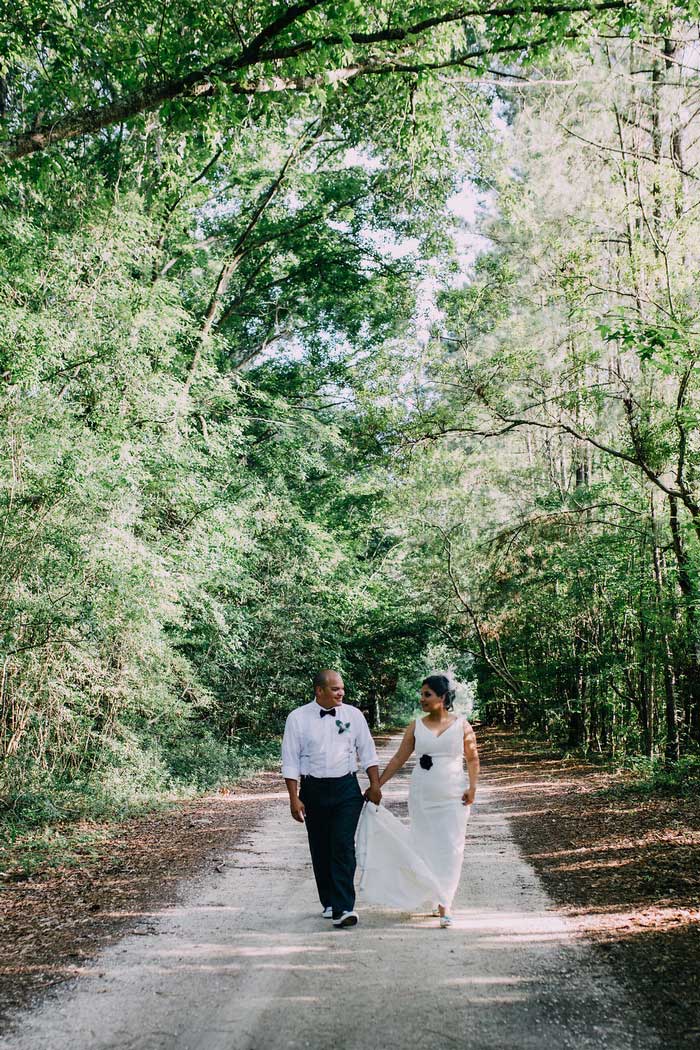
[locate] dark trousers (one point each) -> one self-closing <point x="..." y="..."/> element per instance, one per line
<point x="333" y="806"/>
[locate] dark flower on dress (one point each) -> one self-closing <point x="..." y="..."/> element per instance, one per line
<point x="426" y="761"/>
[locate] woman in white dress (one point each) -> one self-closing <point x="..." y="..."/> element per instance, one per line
<point x="407" y="867"/>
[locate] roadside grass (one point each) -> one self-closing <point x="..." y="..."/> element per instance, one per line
<point x="635" y="775"/>
<point x="54" y="822"/>
<point x="652" y="776"/>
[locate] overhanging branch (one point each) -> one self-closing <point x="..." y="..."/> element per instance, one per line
<point x="204" y="81"/>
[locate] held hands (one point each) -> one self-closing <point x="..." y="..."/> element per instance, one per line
<point x="298" y="811"/>
<point x="468" y="796"/>
<point x="373" y="794"/>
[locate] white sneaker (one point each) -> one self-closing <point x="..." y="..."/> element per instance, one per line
<point x="445" y="921"/>
<point x="328" y="912"/>
<point x="348" y="918"/>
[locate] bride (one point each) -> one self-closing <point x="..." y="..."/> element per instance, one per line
<point x="408" y="867"/>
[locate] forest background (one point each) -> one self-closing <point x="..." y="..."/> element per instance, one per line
<point x="270" y="402"/>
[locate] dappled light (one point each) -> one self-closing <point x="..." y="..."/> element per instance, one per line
<point x="252" y="942"/>
<point x="626" y="868"/>
<point x="352" y="351"/>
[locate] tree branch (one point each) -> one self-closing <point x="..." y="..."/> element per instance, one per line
<point x="502" y="672"/>
<point x="202" y="82"/>
<point x="635" y="155"/>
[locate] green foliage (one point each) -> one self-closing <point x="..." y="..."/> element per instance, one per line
<point x="218" y="231"/>
<point x="652" y="777"/>
<point x="555" y="453"/>
<point x="193" y="491"/>
<point x="664" y="345"/>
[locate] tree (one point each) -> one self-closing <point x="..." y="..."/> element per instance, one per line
<point x="575" y="356"/>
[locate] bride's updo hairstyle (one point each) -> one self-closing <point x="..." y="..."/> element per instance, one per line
<point x="440" y="685"/>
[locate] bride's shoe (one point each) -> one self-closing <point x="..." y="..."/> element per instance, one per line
<point x="435" y="912"/>
<point x="445" y="921"/>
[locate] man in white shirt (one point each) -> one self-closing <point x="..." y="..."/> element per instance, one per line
<point x="320" y="747"/>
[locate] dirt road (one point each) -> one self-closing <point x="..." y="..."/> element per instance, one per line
<point x="245" y="962"/>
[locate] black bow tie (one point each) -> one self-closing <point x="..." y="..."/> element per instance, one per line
<point x="324" y="713"/>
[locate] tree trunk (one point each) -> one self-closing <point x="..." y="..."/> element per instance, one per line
<point x="671" y="713"/>
<point x="690" y="662"/>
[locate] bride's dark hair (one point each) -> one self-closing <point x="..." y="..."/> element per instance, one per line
<point x="440" y="685"/>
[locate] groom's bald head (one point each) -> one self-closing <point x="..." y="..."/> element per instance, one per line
<point x="329" y="688"/>
<point x="321" y="677"/>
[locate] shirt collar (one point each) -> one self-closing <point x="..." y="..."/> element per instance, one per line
<point x="316" y="704"/>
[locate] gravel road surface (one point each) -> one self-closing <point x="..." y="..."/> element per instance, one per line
<point x="244" y="961"/>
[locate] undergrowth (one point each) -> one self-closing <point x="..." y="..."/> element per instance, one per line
<point x="51" y="820"/>
<point x="652" y="776"/>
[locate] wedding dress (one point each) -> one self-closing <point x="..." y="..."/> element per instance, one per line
<point x="409" y="867"/>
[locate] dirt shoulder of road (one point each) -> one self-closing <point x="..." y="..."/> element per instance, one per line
<point x="626" y="868"/>
<point x="624" y="864"/>
<point x="56" y="919"/>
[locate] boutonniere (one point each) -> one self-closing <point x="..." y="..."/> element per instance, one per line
<point x="342" y="726"/>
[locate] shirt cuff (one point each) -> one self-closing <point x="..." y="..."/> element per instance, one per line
<point x="290" y="772"/>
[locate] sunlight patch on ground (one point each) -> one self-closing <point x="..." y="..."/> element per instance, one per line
<point x="595" y="864"/>
<point x="653" y="919"/>
<point x="483" y="980"/>
<point x="247" y="952"/>
<point x="183" y="912"/>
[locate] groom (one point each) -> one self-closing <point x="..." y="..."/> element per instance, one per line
<point x="319" y="749"/>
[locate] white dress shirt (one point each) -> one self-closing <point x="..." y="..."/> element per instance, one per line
<point x="314" y="745"/>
